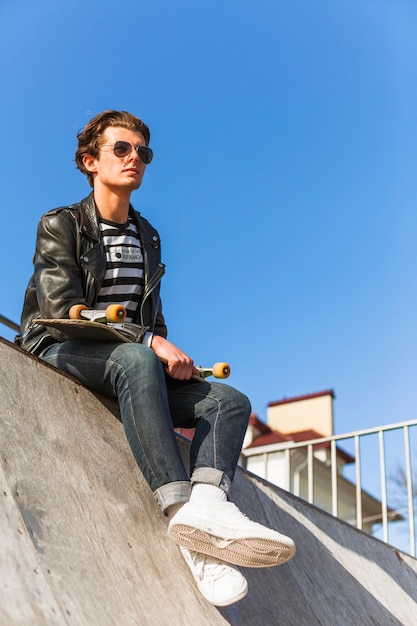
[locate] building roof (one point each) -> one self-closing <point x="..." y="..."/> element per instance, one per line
<point x="269" y="437"/>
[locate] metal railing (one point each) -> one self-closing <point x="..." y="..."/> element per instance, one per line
<point x="9" y="323"/>
<point x="406" y="482"/>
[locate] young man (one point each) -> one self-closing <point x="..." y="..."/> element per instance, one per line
<point x="102" y="251"/>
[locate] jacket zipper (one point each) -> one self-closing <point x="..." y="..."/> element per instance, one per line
<point x="152" y="283"/>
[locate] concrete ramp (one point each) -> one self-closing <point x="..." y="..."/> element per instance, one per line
<point x="82" y="542"/>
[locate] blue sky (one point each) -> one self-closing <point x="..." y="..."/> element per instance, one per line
<point x="283" y="183"/>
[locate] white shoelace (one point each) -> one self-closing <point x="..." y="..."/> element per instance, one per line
<point x="205" y="566"/>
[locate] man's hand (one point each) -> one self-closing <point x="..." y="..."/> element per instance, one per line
<point x="178" y="364"/>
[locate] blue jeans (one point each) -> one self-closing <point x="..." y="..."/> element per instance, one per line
<point x="152" y="403"/>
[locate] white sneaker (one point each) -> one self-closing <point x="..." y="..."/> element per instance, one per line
<point x="217" y="582"/>
<point x="222" y="531"/>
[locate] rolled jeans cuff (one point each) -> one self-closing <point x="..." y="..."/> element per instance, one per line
<point x="211" y="476"/>
<point x="172" y="493"/>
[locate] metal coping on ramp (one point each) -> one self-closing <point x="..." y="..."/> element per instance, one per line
<point x="83" y="543"/>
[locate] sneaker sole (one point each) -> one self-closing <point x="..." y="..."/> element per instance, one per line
<point x="250" y="552"/>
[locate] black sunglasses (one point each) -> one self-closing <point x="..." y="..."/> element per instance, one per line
<point x="124" y="148"/>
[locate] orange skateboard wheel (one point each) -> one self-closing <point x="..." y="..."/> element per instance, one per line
<point x="75" y="311"/>
<point x="115" y="313"/>
<point x="221" y="370"/>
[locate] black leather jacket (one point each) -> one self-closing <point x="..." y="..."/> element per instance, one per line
<point x="69" y="267"/>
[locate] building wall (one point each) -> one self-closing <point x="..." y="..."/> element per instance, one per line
<point x="272" y="467"/>
<point x="315" y="413"/>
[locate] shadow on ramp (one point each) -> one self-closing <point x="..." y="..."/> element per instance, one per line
<point x="83" y="542"/>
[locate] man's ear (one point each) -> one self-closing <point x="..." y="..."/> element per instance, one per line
<point x="90" y="163"/>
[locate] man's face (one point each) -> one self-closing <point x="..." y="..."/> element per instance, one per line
<point x="117" y="172"/>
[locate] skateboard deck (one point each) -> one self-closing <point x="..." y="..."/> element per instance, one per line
<point x="83" y="329"/>
<point x="88" y="329"/>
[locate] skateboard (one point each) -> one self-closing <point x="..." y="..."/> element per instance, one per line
<point x="108" y="325"/>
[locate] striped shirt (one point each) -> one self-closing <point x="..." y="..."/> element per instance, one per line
<point x="123" y="280"/>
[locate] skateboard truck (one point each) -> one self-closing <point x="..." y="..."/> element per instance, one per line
<point x="113" y="313"/>
<point x="219" y="370"/>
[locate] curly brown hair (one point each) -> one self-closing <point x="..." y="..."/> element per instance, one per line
<point x="89" y="137"/>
